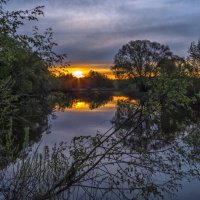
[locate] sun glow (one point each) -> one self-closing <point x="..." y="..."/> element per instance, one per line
<point x="78" y="74"/>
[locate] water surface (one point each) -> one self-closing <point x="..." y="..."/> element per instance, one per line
<point x="84" y="117"/>
<point x="156" y="142"/>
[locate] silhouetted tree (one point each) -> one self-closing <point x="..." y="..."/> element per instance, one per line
<point x="98" y="79"/>
<point x="140" y="59"/>
<point x="172" y="66"/>
<point x="194" y="58"/>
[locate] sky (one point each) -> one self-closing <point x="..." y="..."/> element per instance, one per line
<point x="92" y="31"/>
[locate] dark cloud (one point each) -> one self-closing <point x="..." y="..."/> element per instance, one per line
<point x="91" y="31"/>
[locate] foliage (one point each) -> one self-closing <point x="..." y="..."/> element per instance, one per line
<point x="194" y="59"/>
<point x="26" y="68"/>
<point x="19" y="118"/>
<point x="25" y="58"/>
<point x="91" y="81"/>
<point x="7" y="111"/>
<point x="24" y="62"/>
<point x="170" y="91"/>
<point x="7" y="106"/>
<point x="140" y="58"/>
<point x="98" y="80"/>
<point x="173" y="66"/>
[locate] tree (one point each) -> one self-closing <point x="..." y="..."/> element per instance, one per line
<point x="26" y="59"/>
<point x="26" y="68"/>
<point x="194" y="58"/>
<point x="24" y="62"/>
<point x="98" y="79"/>
<point x="172" y="66"/>
<point x="139" y="59"/>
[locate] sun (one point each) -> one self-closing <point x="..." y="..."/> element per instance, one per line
<point x="77" y="74"/>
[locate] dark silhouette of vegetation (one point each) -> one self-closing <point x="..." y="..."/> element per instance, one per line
<point x="194" y="59"/>
<point x="28" y="118"/>
<point x="25" y="59"/>
<point x="173" y="66"/>
<point x="147" y="66"/>
<point x="139" y="59"/>
<point x="159" y="127"/>
<point x="93" y="80"/>
<point x="24" y="62"/>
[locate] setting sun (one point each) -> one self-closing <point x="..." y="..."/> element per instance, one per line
<point x="78" y="74"/>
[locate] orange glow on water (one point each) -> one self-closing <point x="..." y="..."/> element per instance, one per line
<point x="120" y="98"/>
<point x="79" y="105"/>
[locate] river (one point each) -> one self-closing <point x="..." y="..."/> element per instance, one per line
<point x="84" y="114"/>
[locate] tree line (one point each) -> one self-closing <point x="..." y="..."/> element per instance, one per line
<point x="92" y="80"/>
<point x="142" y="62"/>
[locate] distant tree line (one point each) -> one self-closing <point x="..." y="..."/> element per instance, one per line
<point x="92" y="80"/>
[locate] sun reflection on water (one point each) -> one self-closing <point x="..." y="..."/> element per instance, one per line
<point x="79" y="105"/>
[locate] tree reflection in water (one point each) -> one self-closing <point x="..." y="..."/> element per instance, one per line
<point x="94" y="100"/>
<point x="27" y="119"/>
<point x="145" y="155"/>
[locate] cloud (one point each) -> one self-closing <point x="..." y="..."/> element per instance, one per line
<point x="91" y="31"/>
